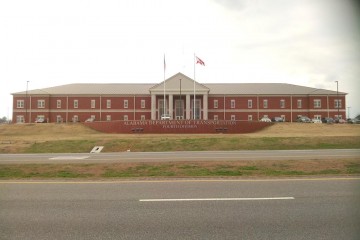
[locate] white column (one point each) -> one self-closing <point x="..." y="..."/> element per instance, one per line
<point x="205" y="106"/>
<point x="153" y="107"/>
<point x="171" y="106"/>
<point x="187" y="106"/>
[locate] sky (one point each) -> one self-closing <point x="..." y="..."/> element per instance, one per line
<point x="310" y="43"/>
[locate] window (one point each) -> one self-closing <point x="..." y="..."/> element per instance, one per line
<point x="283" y="117"/>
<point x="317" y="103"/>
<point x="75" y="118"/>
<point x="108" y="103"/>
<point x="179" y="109"/>
<point x="92" y="117"/>
<point x="93" y="103"/>
<point x="58" y="119"/>
<point x="58" y="103"/>
<point x="216" y="117"/>
<point x="337" y="103"/>
<point x="282" y="103"/>
<point x="250" y="117"/>
<point x="299" y="103"/>
<point x="232" y="117"/>
<point x="126" y="103"/>
<point x="338" y="116"/>
<point x="126" y="118"/>
<point x="249" y="103"/>
<point x="20" y="119"/>
<point x="19" y="104"/>
<point x="41" y="103"/>
<point x="232" y="103"/>
<point x="197" y="109"/>
<point x="216" y="103"/>
<point x="317" y="117"/>
<point x="108" y="117"/>
<point x="142" y="103"/>
<point x="162" y="111"/>
<point x="265" y="103"/>
<point x="142" y="117"/>
<point x="76" y="103"/>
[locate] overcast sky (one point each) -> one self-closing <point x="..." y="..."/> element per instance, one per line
<point x="305" y="42"/>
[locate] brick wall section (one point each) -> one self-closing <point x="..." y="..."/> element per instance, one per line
<point x="178" y="126"/>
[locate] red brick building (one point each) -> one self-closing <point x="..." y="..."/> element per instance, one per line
<point x="219" y="101"/>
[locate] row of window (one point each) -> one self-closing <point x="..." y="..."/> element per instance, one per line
<point x="41" y="103"/>
<point x="59" y="119"/>
<point x="317" y="103"/>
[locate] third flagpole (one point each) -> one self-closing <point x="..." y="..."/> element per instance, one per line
<point x="194" y="90"/>
<point x="164" y="112"/>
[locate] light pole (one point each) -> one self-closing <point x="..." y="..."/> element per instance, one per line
<point x="26" y="100"/>
<point x="337" y="98"/>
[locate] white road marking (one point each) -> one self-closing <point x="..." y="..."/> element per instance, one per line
<point x="214" y="199"/>
<point x="68" y="158"/>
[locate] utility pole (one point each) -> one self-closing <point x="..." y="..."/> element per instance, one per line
<point x="337" y="98"/>
<point x="26" y="100"/>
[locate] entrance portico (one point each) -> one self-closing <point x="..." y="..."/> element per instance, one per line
<point x="175" y="98"/>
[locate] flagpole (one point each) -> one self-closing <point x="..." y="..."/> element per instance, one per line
<point x="164" y="88"/>
<point x="194" y="90"/>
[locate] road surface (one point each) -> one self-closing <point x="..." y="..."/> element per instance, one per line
<point x="183" y="209"/>
<point x="181" y="156"/>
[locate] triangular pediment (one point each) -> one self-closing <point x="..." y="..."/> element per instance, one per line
<point x="179" y="82"/>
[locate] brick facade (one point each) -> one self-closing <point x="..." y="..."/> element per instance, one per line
<point x="237" y="102"/>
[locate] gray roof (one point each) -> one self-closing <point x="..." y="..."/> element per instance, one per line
<point x="93" y="89"/>
<point x="215" y="88"/>
<point x="265" y="89"/>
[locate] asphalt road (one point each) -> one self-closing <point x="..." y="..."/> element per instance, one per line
<point x="181" y="156"/>
<point x="200" y="209"/>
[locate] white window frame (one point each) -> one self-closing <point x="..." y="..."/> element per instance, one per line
<point x="317" y="117"/>
<point x="216" y="103"/>
<point x="126" y="103"/>
<point x="338" y="116"/>
<point x="58" y="103"/>
<point x="299" y="103"/>
<point x="216" y="117"/>
<point x="143" y="103"/>
<point x="232" y="103"/>
<point x="58" y="118"/>
<point x="108" y="103"/>
<point x="75" y="118"/>
<point x="317" y="103"/>
<point x="20" y="119"/>
<point x="250" y="103"/>
<point x="250" y="118"/>
<point x="265" y="103"/>
<point x="93" y="103"/>
<point x="41" y="103"/>
<point x="232" y="118"/>
<point x="20" y="104"/>
<point x="337" y="103"/>
<point x="142" y="118"/>
<point x="108" y="118"/>
<point x="282" y="103"/>
<point x="76" y="103"/>
<point x="126" y="118"/>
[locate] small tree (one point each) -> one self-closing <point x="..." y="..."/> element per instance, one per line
<point x="4" y="120"/>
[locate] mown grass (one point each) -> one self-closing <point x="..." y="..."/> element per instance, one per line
<point x="194" y="144"/>
<point x="194" y="169"/>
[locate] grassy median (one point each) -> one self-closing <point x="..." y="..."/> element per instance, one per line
<point x="76" y="138"/>
<point x="286" y="168"/>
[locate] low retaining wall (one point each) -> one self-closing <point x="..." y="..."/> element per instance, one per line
<point x="178" y="126"/>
